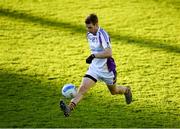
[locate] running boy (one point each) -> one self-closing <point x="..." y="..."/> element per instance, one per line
<point x="102" y="66"/>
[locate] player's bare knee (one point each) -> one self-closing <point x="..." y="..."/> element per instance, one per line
<point x="112" y="89"/>
<point x="113" y="92"/>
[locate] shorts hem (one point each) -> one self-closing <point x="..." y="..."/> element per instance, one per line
<point x="89" y="76"/>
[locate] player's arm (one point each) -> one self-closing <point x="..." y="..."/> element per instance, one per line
<point x="105" y="42"/>
<point x="104" y="54"/>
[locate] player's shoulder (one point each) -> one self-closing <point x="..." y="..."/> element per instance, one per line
<point x="101" y="30"/>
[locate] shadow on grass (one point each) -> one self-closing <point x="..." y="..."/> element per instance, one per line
<point x="26" y="101"/>
<point x="15" y="14"/>
<point x="156" y="45"/>
<point x="170" y="3"/>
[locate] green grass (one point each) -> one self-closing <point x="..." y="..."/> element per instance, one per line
<point x="43" y="47"/>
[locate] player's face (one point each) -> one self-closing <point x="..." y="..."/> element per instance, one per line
<point x="92" y="28"/>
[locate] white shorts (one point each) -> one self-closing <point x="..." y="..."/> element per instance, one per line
<point x="108" y="77"/>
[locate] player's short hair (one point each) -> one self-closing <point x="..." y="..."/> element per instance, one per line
<point x="92" y="18"/>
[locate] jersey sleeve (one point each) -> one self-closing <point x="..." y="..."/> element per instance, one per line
<point x="104" y="39"/>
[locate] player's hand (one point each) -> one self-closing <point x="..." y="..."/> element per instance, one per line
<point x="90" y="58"/>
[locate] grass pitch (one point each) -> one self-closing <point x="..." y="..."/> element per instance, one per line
<point x="43" y="47"/>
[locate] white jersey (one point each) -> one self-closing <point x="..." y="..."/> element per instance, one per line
<point x="99" y="43"/>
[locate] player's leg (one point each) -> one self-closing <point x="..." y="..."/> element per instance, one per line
<point x="126" y="90"/>
<point x="87" y="82"/>
<point x="114" y="89"/>
<point x="110" y="80"/>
